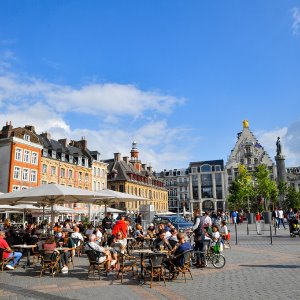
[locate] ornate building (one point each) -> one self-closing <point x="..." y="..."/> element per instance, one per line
<point x="249" y="152"/>
<point x="20" y="158"/>
<point x="132" y="177"/>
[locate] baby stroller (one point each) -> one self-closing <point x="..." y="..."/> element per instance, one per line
<point x="294" y="227"/>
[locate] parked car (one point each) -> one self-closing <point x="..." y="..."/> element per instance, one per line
<point x="179" y="222"/>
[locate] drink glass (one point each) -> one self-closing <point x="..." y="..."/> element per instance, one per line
<point x="60" y="244"/>
<point x="161" y="247"/>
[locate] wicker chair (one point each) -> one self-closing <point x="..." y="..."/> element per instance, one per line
<point x="155" y="267"/>
<point x="183" y="267"/>
<point x="4" y="261"/>
<point x="49" y="261"/>
<point x="127" y="264"/>
<point x="93" y="257"/>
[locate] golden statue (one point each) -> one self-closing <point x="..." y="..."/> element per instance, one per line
<point x="245" y="124"/>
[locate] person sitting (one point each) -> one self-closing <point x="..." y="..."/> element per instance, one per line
<point x="8" y="252"/>
<point x="68" y="243"/>
<point x="92" y="245"/>
<point x="138" y="234"/>
<point x="151" y="231"/>
<point x="49" y="245"/>
<point x="90" y="230"/>
<point x="215" y="237"/>
<point x="181" y="247"/>
<point x="99" y="235"/>
<point x="173" y="240"/>
<point x="76" y="236"/>
<point x="161" y="242"/>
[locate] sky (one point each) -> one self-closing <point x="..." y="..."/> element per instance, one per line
<point x="177" y="77"/>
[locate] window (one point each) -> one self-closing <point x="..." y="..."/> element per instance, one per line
<point x="53" y="154"/>
<point x="44" y="169"/>
<point x="70" y="159"/>
<point x="33" y="176"/>
<point x="94" y="185"/>
<point x="79" y="160"/>
<point x="16" y="188"/>
<point x="217" y="168"/>
<point x="24" y="188"/>
<point x="70" y="174"/>
<point x="206" y="168"/>
<point x="17" y="173"/>
<point x="98" y="170"/>
<point x="27" y="137"/>
<point x="98" y="186"/>
<point x="94" y="171"/>
<point x="194" y="170"/>
<point x="34" y="158"/>
<point x="62" y="172"/>
<point x="45" y="152"/>
<point x="18" y="154"/>
<point x="53" y="171"/>
<point x="63" y="157"/>
<point x="86" y="162"/>
<point x="86" y="177"/>
<point x="26" y="156"/>
<point x="80" y="175"/>
<point x="25" y="175"/>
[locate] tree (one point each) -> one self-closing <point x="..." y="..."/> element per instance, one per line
<point x="241" y="190"/>
<point x="292" y="198"/>
<point x="264" y="186"/>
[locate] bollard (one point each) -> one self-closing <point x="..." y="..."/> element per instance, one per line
<point x="236" y="239"/>
<point x="247" y="229"/>
<point x="271" y="235"/>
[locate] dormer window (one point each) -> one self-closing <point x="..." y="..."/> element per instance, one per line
<point x="53" y="154"/>
<point x="86" y="162"/>
<point x="98" y="157"/>
<point x="27" y="137"/>
<point x="70" y="159"/>
<point x="63" y="157"/>
<point x="45" y="152"/>
<point x="79" y="160"/>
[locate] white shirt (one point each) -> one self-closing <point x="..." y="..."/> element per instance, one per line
<point x="224" y="230"/>
<point x="280" y="214"/>
<point x="77" y="235"/>
<point x="207" y="221"/>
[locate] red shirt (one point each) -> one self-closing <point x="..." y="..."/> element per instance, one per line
<point x="258" y="217"/>
<point x="120" y="226"/>
<point x="4" y="245"/>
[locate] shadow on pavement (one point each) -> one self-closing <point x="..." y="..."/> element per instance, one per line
<point x="272" y="266"/>
<point x="29" y="293"/>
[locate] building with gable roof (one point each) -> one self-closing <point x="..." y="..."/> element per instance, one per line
<point x="249" y="152"/>
<point x="20" y="158"/>
<point x="132" y="177"/>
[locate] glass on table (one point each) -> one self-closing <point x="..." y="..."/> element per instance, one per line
<point x="60" y="244"/>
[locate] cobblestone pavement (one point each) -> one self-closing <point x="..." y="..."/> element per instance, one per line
<point x="254" y="269"/>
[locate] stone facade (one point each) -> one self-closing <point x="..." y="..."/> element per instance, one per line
<point x="132" y="177"/>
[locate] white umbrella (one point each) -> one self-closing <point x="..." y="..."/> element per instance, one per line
<point x="50" y="194"/>
<point x="110" y="196"/>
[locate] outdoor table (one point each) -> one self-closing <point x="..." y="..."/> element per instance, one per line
<point x="61" y="249"/>
<point x="142" y="252"/>
<point x="128" y="239"/>
<point x="28" y="247"/>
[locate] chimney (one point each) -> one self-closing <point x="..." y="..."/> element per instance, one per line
<point x="6" y="130"/>
<point x="126" y="159"/>
<point x="63" y="142"/>
<point x="82" y="144"/>
<point x="30" y="128"/>
<point x="149" y="169"/>
<point x="117" y="156"/>
<point x="144" y="166"/>
<point x="46" y="135"/>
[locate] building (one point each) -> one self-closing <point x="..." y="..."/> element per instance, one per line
<point x="293" y="177"/>
<point x="20" y="158"/>
<point x="72" y="164"/>
<point x="207" y="185"/>
<point x="132" y="177"/>
<point x="176" y="181"/>
<point x="249" y="152"/>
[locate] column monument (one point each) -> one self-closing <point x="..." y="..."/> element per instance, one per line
<point x="280" y="167"/>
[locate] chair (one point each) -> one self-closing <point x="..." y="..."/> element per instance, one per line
<point x="4" y="261"/>
<point x="127" y="264"/>
<point x="72" y="252"/>
<point x="35" y="254"/>
<point x="93" y="257"/>
<point x="181" y="263"/>
<point x="78" y="246"/>
<point x="49" y="261"/>
<point x="154" y="268"/>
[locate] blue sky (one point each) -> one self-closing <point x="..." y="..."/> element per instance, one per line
<point x="176" y="76"/>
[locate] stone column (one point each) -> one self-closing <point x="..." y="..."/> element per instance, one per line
<point x="281" y="173"/>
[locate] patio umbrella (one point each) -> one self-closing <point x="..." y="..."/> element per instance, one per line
<point x="50" y="194"/>
<point x="110" y="196"/>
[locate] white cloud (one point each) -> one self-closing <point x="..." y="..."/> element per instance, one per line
<point x="126" y="113"/>
<point x="296" y="20"/>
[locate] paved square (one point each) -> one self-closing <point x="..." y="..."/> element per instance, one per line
<point x="254" y="269"/>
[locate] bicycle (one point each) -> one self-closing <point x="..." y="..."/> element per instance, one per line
<point x="210" y="255"/>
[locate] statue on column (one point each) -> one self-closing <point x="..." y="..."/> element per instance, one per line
<point x="278" y="147"/>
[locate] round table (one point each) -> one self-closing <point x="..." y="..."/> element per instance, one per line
<point x="25" y="246"/>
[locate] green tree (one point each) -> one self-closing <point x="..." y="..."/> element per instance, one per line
<point x="265" y="187"/>
<point x="292" y="198"/>
<point x="241" y="191"/>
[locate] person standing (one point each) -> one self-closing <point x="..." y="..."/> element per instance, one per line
<point x="281" y="218"/>
<point x="198" y="237"/>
